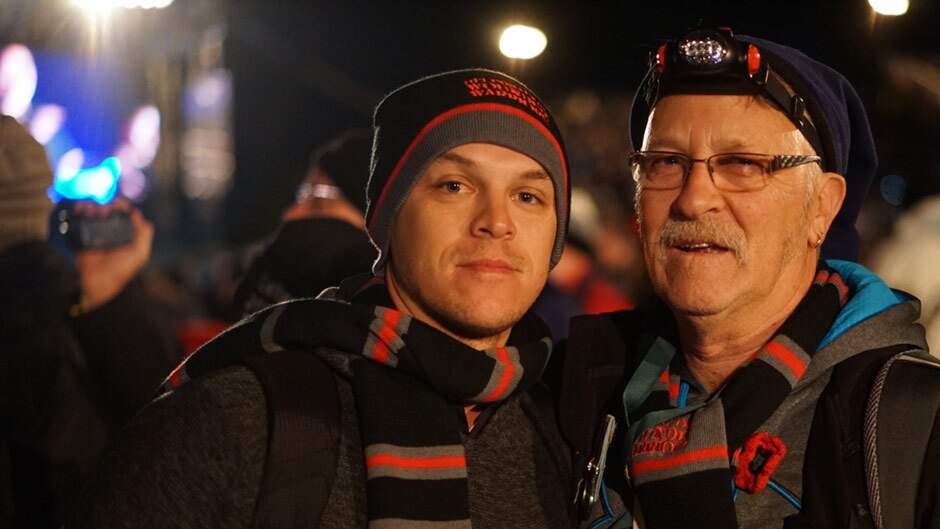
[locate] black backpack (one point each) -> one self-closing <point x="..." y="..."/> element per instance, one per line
<point x="864" y="460"/>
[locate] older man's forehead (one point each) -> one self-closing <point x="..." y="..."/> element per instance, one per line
<point x="733" y="124"/>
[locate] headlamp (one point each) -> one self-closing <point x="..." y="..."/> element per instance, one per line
<point x="712" y="61"/>
<point x="702" y="52"/>
<point x="709" y="53"/>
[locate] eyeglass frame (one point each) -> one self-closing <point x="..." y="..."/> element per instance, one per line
<point x="778" y="162"/>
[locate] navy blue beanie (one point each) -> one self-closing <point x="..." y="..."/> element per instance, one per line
<point x="838" y="115"/>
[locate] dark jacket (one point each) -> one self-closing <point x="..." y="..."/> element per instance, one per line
<point x="875" y="323"/>
<point x="196" y="458"/>
<point x="66" y="384"/>
<point x="304" y="257"/>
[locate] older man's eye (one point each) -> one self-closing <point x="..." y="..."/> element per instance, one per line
<point x="452" y="187"/>
<point x="743" y="164"/>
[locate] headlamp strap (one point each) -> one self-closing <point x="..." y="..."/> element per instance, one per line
<point x="794" y="107"/>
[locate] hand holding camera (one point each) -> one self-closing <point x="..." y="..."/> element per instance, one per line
<point x="104" y="268"/>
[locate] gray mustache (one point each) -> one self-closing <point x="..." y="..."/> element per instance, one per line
<point x="677" y="232"/>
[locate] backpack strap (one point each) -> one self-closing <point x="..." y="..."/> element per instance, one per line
<point x="303" y="438"/>
<point x="899" y="422"/>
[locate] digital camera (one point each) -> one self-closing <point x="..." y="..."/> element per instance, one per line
<point x="82" y="232"/>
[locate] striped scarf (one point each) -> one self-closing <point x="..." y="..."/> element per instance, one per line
<point x="680" y="460"/>
<point x="410" y="383"/>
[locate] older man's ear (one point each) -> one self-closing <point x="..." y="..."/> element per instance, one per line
<point x="830" y="192"/>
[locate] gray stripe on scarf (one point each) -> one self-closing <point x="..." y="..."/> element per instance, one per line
<point x="403" y="323"/>
<point x="267" y="330"/>
<point x="396" y="344"/>
<point x="499" y="368"/>
<point x="419" y="474"/>
<point x="414" y="451"/>
<point x="785" y="370"/>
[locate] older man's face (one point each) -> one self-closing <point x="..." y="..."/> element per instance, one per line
<point x="711" y="252"/>
<point x="472" y="244"/>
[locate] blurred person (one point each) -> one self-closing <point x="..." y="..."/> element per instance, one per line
<point x="115" y="313"/>
<point x="322" y="239"/>
<point x="577" y="285"/>
<point x="769" y="387"/>
<point x="908" y="259"/>
<point x="578" y="273"/>
<point x="64" y="391"/>
<point x="409" y="397"/>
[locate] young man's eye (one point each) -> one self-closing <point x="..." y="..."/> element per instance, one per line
<point x="527" y="198"/>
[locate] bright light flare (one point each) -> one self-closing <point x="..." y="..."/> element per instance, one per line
<point x="18" y="79"/>
<point x="96" y="7"/>
<point x="522" y="42"/>
<point x="889" y="7"/>
<point x="104" y="6"/>
<point x="144" y="130"/>
<point x="46" y="122"/>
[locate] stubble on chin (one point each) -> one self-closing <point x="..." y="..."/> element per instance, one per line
<point x="463" y="322"/>
<point x="456" y="313"/>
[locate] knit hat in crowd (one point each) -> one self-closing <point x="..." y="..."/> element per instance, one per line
<point x="422" y="120"/>
<point x="837" y="127"/>
<point x="346" y="161"/>
<point x="25" y="177"/>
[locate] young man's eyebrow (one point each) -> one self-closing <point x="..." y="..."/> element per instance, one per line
<point x="467" y="162"/>
<point x="457" y="159"/>
<point x="536" y="175"/>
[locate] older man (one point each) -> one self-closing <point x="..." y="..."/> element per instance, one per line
<point x="411" y="397"/>
<point x="758" y="393"/>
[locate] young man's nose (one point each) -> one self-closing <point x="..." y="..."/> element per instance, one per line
<point x="492" y="217"/>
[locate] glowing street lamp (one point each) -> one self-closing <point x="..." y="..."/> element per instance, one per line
<point x="889" y="7"/>
<point x="522" y="42"/>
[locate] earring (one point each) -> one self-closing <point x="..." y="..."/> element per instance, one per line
<point x="819" y="241"/>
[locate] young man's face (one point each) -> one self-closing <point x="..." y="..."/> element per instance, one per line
<point x="471" y="246"/>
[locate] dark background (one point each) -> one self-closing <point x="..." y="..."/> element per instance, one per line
<point x="327" y="65"/>
<point x="305" y="70"/>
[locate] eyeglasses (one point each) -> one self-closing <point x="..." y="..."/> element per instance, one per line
<point x="308" y="191"/>
<point x="733" y="171"/>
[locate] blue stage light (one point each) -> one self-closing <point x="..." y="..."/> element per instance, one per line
<point x="98" y="183"/>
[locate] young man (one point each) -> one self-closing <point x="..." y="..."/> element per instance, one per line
<point x="432" y="363"/>
<point x="742" y="400"/>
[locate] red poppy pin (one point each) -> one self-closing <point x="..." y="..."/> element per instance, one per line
<point x="757" y="460"/>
